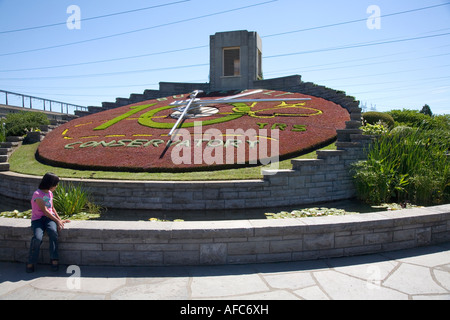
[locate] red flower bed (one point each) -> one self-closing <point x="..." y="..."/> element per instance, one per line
<point x="135" y="137"/>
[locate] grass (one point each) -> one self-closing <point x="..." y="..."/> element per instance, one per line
<point x="23" y="161"/>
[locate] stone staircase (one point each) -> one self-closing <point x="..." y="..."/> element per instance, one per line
<point x="13" y="142"/>
<point x="6" y="149"/>
<point x="120" y="102"/>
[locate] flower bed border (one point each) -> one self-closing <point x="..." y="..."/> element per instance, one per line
<point x="106" y="243"/>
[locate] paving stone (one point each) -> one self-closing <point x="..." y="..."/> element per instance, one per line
<point x="412" y="279"/>
<point x="344" y="287"/>
<point x="227" y="286"/>
<point x="312" y="293"/>
<point x="158" y="289"/>
<point x="291" y="281"/>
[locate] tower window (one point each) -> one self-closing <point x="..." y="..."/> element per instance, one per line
<point x="231" y="62"/>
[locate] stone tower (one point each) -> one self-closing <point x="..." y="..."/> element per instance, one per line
<point x="235" y="60"/>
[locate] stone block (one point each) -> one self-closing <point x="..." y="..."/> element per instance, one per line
<point x="102" y="258"/>
<point x="402" y="235"/>
<point x="273" y="257"/>
<point x="246" y="248"/>
<point x="240" y="259"/>
<point x="214" y="253"/>
<point x="139" y="258"/>
<point x="306" y="165"/>
<point x="378" y="237"/>
<point x="318" y="241"/>
<point x="182" y="258"/>
<point x="349" y="241"/>
<point x="286" y="246"/>
<point x="5" y="151"/>
<point x="423" y="236"/>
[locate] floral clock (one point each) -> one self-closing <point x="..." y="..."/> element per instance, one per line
<point x="214" y="136"/>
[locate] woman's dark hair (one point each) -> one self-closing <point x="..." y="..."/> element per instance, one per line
<point x="50" y="180"/>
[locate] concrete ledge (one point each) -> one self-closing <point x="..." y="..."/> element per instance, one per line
<point x="107" y="243"/>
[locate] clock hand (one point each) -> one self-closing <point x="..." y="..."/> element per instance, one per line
<point x="186" y="109"/>
<point x="231" y="99"/>
<point x="198" y="103"/>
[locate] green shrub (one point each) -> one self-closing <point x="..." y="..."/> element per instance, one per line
<point x="415" y="119"/>
<point x="2" y="130"/>
<point x="374" y="117"/>
<point x="374" y="129"/>
<point x="18" y="124"/>
<point x="73" y="200"/>
<point x="399" y="167"/>
<point x="403" y="131"/>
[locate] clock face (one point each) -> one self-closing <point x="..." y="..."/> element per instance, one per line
<point x="210" y="136"/>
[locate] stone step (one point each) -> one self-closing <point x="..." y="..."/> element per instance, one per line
<point x="4" y="166"/>
<point x="355" y="116"/>
<point x="109" y="105"/>
<point x="9" y="144"/>
<point x="120" y="102"/>
<point x="95" y="109"/>
<point x="14" y="139"/>
<point x="49" y="127"/>
<point x="300" y="163"/>
<point x="3" y="158"/>
<point x="344" y="135"/>
<point x="346" y="145"/>
<point x="5" y="151"/>
<point x="80" y="113"/>
<point x="353" y="124"/>
<point x="330" y="156"/>
<point x="361" y="137"/>
<point x="349" y="131"/>
<point x="137" y="97"/>
<point x="354" y="110"/>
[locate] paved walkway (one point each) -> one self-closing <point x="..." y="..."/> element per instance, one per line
<point x="422" y="273"/>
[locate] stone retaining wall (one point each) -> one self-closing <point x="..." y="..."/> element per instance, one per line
<point x="106" y="243"/>
<point x="310" y="181"/>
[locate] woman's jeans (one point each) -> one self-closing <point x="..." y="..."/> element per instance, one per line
<point x="39" y="227"/>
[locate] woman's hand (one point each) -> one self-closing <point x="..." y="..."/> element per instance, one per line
<point x="60" y="224"/>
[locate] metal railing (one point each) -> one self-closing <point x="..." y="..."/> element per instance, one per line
<point x="25" y="101"/>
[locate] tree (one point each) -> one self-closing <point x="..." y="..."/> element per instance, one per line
<point x="426" y="110"/>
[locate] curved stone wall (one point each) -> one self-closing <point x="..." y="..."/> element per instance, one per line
<point x="106" y="243"/>
<point x="310" y="181"/>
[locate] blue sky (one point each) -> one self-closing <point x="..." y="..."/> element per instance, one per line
<point x="124" y="47"/>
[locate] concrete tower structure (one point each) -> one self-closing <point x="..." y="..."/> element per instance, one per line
<point x="235" y="60"/>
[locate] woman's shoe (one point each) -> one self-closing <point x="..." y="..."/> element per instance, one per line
<point x="29" y="268"/>
<point x="55" y="265"/>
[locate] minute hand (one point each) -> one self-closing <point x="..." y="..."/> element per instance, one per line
<point x="193" y="96"/>
<point x="246" y="101"/>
